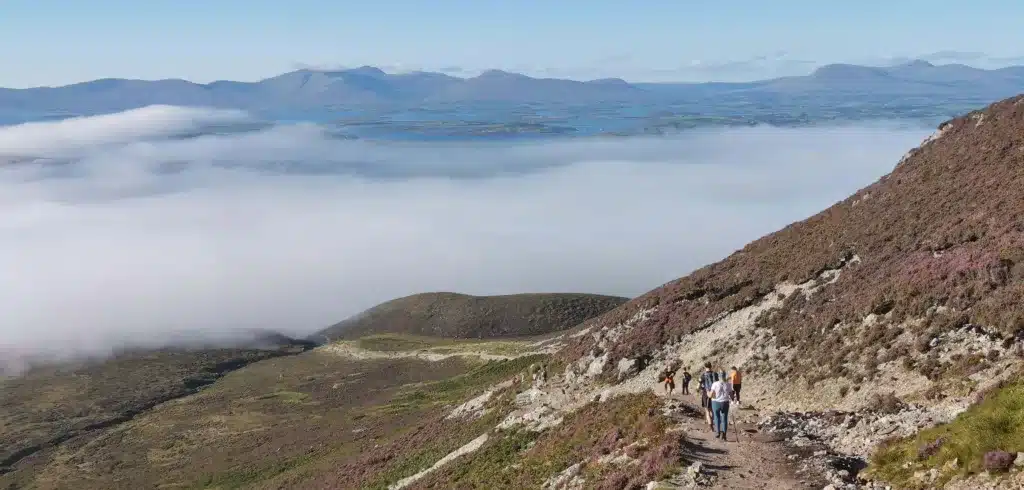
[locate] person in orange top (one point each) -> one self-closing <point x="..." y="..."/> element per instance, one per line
<point x="736" y="379"/>
<point x="668" y="376"/>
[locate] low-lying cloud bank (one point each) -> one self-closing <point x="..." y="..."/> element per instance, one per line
<point x="136" y="230"/>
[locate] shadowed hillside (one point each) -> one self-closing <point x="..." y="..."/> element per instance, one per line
<point x="463" y="316"/>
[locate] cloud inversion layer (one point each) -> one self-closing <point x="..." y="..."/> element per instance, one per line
<point x="135" y="230"/>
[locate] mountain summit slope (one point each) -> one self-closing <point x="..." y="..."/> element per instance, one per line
<point x="464" y="316"/>
<point x="881" y="281"/>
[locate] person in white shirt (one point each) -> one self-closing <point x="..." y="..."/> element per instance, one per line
<point x="720" y="393"/>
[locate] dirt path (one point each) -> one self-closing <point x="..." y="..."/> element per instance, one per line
<point x="747" y="460"/>
<point x="433" y="355"/>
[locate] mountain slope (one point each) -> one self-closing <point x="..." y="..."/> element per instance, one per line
<point x="51" y="405"/>
<point x="497" y="85"/>
<point x="889" y="312"/>
<point x="943" y="231"/>
<point x="463" y="316"/>
<point x="308" y="89"/>
<point x="915" y="78"/>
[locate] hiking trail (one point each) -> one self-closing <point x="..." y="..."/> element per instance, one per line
<point x="748" y="459"/>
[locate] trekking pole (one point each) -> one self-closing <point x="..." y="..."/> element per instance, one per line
<point x="736" y="432"/>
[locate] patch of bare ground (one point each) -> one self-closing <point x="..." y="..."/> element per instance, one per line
<point x="747" y="459"/>
<point x="463" y="316"/>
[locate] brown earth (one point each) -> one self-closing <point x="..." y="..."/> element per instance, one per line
<point x="463" y="316"/>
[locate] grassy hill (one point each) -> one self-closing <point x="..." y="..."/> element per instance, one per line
<point x="463" y="316"/>
<point x="357" y="414"/>
<point x="53" y="405"/>
<point x="287" y="415"/>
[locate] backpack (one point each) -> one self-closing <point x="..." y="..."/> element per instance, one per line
<point x="706" y="379"/>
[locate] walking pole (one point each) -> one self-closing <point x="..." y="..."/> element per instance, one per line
<point x="736" y="433"/>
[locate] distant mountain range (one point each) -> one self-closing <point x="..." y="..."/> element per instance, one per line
<point x="310" y="89"/>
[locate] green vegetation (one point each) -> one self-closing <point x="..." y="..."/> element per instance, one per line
<point x="248" y="476"/>
<point x="522" y="459"/>
<point x="429" y="451"/>
<point x="399" y="342"/>
<point x="956" y="448"/>
<point x="285" y="396"/>
<point x="313" y="420"/>
<point x="458" y="388"/>
<point x="438" y="345"/>
<point x="453" y="315"/>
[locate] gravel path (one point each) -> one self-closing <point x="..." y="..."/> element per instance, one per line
<point x="747" y="460"/>
<point x="347" y="350"/>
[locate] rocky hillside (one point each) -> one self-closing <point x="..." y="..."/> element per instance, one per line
<point x="463" y="316"/>
<point x="936" y="245"/>
<point x="885" y="313"/>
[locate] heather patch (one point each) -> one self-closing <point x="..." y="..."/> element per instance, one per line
<point x="623" y="439"/>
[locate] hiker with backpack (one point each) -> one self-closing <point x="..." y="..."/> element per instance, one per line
<point x="707" y="378"/>
<point x="720" y="394"/>
<point x="686" y="381"/>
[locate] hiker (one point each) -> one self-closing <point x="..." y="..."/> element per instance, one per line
<point x="707" y="378"/>
<point x="686" y="381"/>
<point x="736" y="379"/>
<point x="720" y="393"/>
<point x="668" y="377"/>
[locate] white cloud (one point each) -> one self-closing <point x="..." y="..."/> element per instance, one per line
<point x="139" y="238"/>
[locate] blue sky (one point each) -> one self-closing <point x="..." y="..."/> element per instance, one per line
<point x="53" y="42"/>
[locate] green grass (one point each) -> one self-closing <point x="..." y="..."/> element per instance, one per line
<point x="399" y="343"/>
<point x="245" y="477"/>
<point x="435" y="448"/>
<point x="458" y="388"/>
<point x="496" y="464"/>
<point x="997" y="423"/>
<point x="408" y="343"/>
<point x="523" y="459"/>
<point x="285" y="396"/>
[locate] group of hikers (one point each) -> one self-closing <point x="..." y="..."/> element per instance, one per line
<point x="716" y="389"/>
